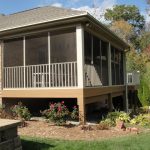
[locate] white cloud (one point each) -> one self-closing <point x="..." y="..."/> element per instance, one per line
<point x="57" y="4"/>
<point x="99" y="8"/>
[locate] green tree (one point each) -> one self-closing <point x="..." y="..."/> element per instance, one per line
<point x="136" y="61"/>
<point x="123" y="29"/>
<point x="145" y="41"/>
<point x="129" y="13"/>
<point x="144" y="92"/>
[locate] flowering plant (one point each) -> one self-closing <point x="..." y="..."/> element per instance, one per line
<point x="57" y="113"/>
<point x="21" y="112"/>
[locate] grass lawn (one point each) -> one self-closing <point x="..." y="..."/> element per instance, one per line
<point x="136" y="142"/>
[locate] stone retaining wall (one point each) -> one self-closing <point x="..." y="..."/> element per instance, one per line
<point x="9" y="139"/>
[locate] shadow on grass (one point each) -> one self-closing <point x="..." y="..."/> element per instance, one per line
<point x="35" y="145"/>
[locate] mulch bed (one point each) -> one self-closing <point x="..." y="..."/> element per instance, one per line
<point x="69" y="132"/>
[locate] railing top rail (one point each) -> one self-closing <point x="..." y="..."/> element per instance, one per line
<point x="43" y="64"/>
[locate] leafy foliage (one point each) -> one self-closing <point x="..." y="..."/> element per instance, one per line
<point x="2" y="111"/>
<point x="124" y="117"/>
<point x="136" y="61"/>
<point x="21" y="112"/>
<point x="129" y="13"/>
<point x="123" y="29"/>
<point x="75" y="113"/>
<point x="104" y="125"/>
<point x="144" y="92"/>
<point x="141" y="119"/>
<point x="59" y="113"/>
<point x="145" y="40"/>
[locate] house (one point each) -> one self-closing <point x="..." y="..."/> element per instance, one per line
<point x="51" y="52"/>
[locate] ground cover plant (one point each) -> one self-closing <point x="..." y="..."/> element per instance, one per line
<point x="136" y="142"/>
<point x="141" y="118"/>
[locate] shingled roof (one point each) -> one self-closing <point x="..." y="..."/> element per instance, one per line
<point x="36" y="16"/>
<point x="47" y="14"/>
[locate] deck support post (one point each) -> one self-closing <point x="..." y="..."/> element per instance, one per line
<point x="80" y="55"/>
<point x="80" y="70"/>
<point x="82" y="113"/>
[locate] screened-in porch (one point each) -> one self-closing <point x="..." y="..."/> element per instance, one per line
<point x="102" y="62"/>
<point x="41" y="60"/>
<point x="49" y="60"/>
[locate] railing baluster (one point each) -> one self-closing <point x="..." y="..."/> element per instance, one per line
<point x="46" y="76"/>
<point x="56" y="76"/>
<point x="62" y="74"/>
<point x="52" y="73"/>
<point x="71" y="75"/>
<point x="7" y="78"/>
<point x="65" y="74"/>
<point x="16" y="77"/>
<point x="29" y="76"/>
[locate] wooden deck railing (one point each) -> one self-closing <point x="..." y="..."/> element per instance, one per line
<point x="41" y="76"/>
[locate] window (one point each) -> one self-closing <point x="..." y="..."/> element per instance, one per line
<point x="13" y="52"/>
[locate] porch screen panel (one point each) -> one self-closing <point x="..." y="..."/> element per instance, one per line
<point x="87" y="47"/>
<point x="63" y="46"/>
<point x="104" y="57"/>
<point x="37" y="49"/>
<point x="113" y="66"/>
<point x="13" y="52"/>
<point x="117" y="66"/>
<point x="97" y="59"/>
<point x="121" y="69"/>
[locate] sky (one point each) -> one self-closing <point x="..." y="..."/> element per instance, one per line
<point x="13" y="6"/>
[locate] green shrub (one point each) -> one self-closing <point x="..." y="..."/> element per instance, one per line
<point x="144" y="92"/>
<point x="112" y="116"/>
<point x="21" y="112"/>
<point x="143" y="110"/>
<point x="124" y="117"/>
<point x="2" y="111"/>
<point x="104" y="125"/>
<point x="141" y="120"/>
<point x="57" y="113"/>
<point x="75" y="113"/>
